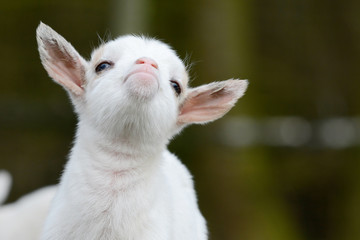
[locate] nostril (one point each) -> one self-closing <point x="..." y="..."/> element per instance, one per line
<point x="148" y="61"/>
<point x="155" y="65"/>
<point x="140" y="61"/>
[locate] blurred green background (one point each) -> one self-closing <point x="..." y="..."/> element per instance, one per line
<point x="284" y="164"/>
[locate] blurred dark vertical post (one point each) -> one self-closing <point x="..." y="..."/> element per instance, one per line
<point x="253" y="207"/>
<point x="130" y="16"/>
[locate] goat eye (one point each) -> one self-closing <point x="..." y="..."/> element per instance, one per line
<point x="102" y="66"/>
<point x="176" y="87"/>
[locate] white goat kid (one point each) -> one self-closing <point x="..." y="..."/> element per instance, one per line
<point x="131" y="98"/>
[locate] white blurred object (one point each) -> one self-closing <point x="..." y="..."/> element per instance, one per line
<point x="338" y="133"/>
<point x="5" y="184"/>
<point x="239" y="132"/>
<point x="290" y="131"/>
<point x="287" y="131"/>
<point x="23" y="219"/>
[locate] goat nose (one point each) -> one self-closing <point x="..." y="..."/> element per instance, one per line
<point x="148" y="61"/>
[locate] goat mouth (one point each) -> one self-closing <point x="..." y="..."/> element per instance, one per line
<point x="142" y="82"/>
<point x="143" y="73"/>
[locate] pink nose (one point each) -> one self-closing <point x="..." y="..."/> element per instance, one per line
<point x="147" y="61"/>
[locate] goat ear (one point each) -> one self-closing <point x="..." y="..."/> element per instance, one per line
<point x="210" y="102"/>
<point x="60" y="59"/>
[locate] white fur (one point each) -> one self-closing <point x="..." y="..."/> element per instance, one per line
<point x="24" y="219"/>
<point x="5" y="183"/>
<point x="120" y="181"/>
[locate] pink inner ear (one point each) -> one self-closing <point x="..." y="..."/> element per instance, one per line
<point x="64" y="67"/>
<point x="206" y="106"/>
<point x="202" y="115"/>
<point x="207" y="100"/>
<point x="66" y="78"/>
<point x="210" y="102"/>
